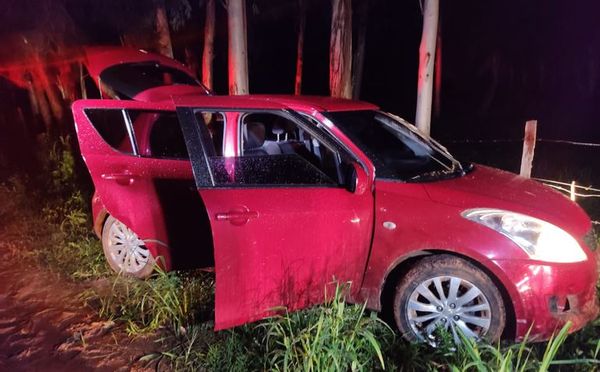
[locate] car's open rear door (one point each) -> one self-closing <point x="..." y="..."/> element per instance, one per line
<point x="122" y="177"/>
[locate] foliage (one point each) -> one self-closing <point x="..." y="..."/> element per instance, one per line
<point x="58" y="173"/>
<point x="73" y="250"/>
<point x="179" y="12"/>
<point x="166" y="299"/>
<point x="332" y="337"/>
<point x="60" y="237"/>
<point x="198" y="347"/>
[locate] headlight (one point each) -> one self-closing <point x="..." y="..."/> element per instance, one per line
<point x="539" y="239"/>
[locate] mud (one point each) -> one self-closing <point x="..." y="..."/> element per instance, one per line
<point x="46" y="326"/>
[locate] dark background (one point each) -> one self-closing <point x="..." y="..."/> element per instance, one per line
<point x="504" y="62"/>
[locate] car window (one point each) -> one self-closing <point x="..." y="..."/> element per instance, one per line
<point x="112" y="127"/>
<point x="216" y="127"/>
<point x="165" y="137"/>
<point x="280" y="138"/>
<point x="126" y="80"/>
<point x="296" y="163"/>
<point x="396" y="148"/>
<point x="157" y="134"/>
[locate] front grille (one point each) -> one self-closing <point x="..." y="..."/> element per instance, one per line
<point x="591" y="240"/>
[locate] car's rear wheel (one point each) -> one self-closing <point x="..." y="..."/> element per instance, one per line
<point x="125" y="252"/>
<point x="444" y="292"/>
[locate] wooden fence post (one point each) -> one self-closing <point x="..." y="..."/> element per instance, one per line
<point x="528" y="148"/>
<point x="573" y="191"/>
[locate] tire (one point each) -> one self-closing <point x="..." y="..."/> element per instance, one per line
<point x="125" y="253"/>
<point x="476" y="308"/>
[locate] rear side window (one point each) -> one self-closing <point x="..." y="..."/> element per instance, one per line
<point x="166" y="138"/>
<point x="111" y="126"/>
<point x="158" y="134"/>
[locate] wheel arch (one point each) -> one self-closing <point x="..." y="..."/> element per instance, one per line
<point x="405" y="263"/>
<point x="99" y="222"/>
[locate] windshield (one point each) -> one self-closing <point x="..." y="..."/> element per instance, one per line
<point x="128" y="79"/>
<point x="395" y="147"/>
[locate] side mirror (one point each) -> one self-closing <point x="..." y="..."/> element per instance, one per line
<point x="355" y="178"/>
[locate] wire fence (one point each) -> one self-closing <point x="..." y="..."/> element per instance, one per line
<point x="572" y="189"/>
<point x="515" y="140"/>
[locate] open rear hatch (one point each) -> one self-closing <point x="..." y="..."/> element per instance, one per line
<point x="124" y="73"/>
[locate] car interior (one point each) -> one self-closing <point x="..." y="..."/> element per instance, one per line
<point x="267" y="134"/>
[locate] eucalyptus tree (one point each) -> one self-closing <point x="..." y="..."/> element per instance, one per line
<point x="426" y="64"/>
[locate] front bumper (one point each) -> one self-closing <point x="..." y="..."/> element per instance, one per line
<point x="547" y="296"/>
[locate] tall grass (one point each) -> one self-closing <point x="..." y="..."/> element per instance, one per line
<point x="166" y="299"/>
<point x="331" y="337"/>
<point x="334" y="336"/>
<point x="198" y="347"/>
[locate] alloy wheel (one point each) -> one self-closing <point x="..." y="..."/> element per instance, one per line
<point x="450" y="303"/>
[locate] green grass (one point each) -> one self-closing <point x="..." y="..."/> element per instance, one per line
<point x="68" y="245"/>
<point x="332" y="337"/>
<point x="165" y="300"/>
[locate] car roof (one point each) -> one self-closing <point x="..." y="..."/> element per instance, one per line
<point x="272" y="102"/>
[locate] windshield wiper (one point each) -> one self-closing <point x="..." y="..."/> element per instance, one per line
<point x="442" y="174"/>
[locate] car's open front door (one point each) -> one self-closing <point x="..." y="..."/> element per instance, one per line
<point x="123" y="176"/>
<point x="282" y="231"/>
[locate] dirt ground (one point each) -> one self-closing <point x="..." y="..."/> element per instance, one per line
<point x="45" y="326"/>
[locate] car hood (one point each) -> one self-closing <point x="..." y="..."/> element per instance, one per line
<point x="486" y="187"/>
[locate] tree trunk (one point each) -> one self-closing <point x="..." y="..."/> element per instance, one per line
<point x="300" y="47"/>
<point x="340" y="57"/>
<point x="43" y="107"/>
<point x="55" y="101"/>
<point x="208" y="53"/>
<point x="35" y="107"/>
<point x="162" y="29"/>
<point x="238" y="48"/>
<point x="66" y="82"/>
<point x="44" y="83"/>
<point x="191" y="61"/>
<point x="359" y="53"/>
<point x="426" y="62"/>
<point x="437" y="92"/>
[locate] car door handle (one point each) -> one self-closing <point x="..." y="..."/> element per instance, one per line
<point x="124" y="179"/>
<point x="237" y="216"/>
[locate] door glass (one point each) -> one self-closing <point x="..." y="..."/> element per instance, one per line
<point x="126" y="80"/>
<point x="159" y="135"/>
<point x="216" y="128"/>
<point x="166" y="138"/>
<point x="278" y="151"/>
<point x="111" y="125"/>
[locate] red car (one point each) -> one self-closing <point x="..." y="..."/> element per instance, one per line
<point x="281" y="195"/>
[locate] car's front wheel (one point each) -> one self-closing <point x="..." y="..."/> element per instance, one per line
<point x="444" y="292"/>
<point x="125" y="252"/>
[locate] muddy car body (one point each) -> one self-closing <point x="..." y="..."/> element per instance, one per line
<point x="281" y="195"/>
